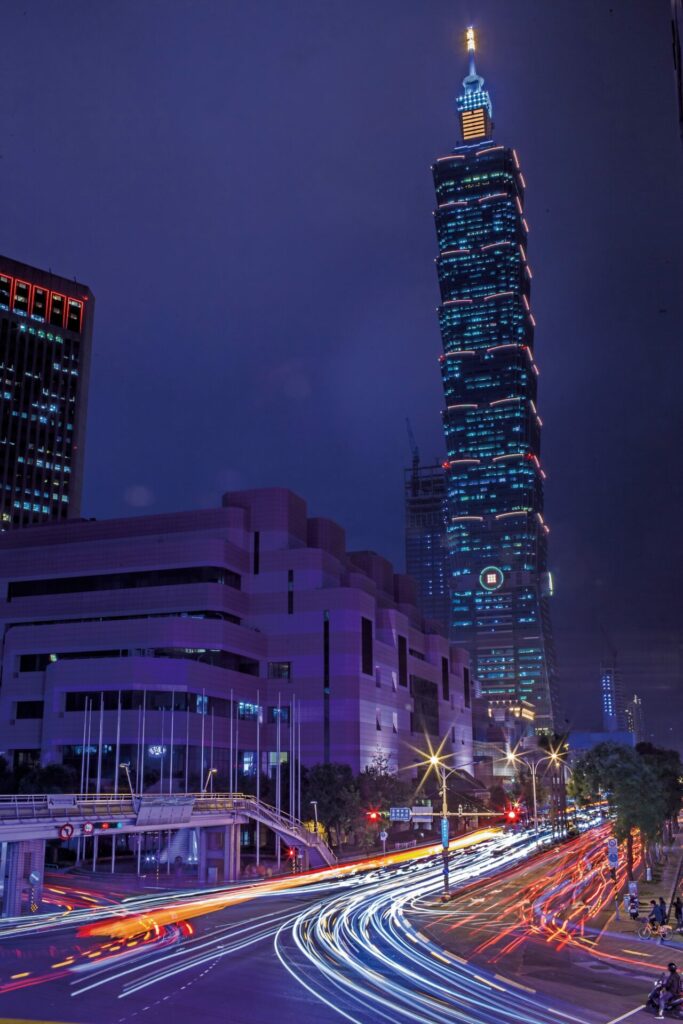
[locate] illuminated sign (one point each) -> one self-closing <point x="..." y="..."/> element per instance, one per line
<point x="470" y="40"/>
<point x="491" y="578"/>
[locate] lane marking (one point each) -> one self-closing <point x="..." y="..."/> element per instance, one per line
<point x="517" y="984"/>
<point x="630" y="1013"/>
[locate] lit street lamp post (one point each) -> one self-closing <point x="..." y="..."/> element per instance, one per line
<point x="126" y="767"/>
<point x="314" y="805"/>
<point x="513" y="758"/>
<point x="209" y="778"/>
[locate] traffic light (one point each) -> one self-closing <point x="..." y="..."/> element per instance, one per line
<point x="512" y="816"/>
<point x="104" y="826"/>
<point x="372" y="816"/>
<point x="291" y="853"/>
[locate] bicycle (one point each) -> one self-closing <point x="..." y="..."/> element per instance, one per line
<point x="650" y="930"/>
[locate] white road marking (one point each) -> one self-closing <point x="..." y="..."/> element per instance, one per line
<point x="629" y="1014"/>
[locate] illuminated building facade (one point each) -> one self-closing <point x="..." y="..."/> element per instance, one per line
<point x="613" y="712"/>
<point x="500" y="584"/>
<point x="45" y="340"/>
<point x="223" y="637"/>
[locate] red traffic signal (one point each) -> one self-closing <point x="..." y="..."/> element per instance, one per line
<point x="291" y="853"/>
<point x="512" y="816"/>
<point x="372" y="815"/>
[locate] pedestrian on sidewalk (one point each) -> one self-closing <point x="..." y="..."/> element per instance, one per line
<point x="664" y="911"/>
<point x="678" y="913"/>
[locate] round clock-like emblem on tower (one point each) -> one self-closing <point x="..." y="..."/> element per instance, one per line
<point x="491" y="578"/>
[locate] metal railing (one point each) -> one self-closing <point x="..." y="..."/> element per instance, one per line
<point x="79" y="807"/>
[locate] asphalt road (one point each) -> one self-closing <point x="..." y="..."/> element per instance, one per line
<point x="365" y="947"/>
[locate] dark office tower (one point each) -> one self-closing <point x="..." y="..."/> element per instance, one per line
<point x="45" y="337"/>
<point x="635" y="721"/>
<point x="613" y="711"/>
<point x="426" y="543"/>
<point x="497" y="536"/>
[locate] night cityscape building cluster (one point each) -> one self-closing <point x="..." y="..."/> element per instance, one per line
<point x="232" y="639"/>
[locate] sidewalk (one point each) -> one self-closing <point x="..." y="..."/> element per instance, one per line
<point x="666" y="880"/>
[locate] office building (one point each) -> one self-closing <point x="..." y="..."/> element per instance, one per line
<point x="494" y="476"/>
<point x="613" y="713"/>
<point x="634" y="718"/>
<point x="45" y="340"/>
<point x="221" y="638"/>
<point x="426" y="514"/>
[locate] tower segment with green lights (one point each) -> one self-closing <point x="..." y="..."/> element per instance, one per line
<point x="496" y="532"/>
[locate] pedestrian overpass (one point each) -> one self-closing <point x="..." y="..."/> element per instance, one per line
<point x="28" y="821"/>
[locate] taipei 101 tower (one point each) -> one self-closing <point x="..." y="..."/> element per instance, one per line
<point x="497" y="537"/>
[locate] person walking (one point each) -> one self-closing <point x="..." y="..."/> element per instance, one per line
<point x="665" y="912"/>
<point x="678" y="913"/>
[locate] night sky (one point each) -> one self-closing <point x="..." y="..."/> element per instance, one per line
<point x="246" y="188"/>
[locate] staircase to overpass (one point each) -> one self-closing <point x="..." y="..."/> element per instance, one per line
<point x="28" y="821"/>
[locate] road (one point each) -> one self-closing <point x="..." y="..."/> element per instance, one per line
<point x="332" y="945"/>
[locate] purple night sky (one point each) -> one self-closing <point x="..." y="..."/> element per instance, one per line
<point x="246" y="188"/>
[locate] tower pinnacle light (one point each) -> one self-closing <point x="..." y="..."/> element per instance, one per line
<point x="474" y="104"/>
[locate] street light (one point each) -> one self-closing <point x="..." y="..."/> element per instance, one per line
<point x="126" y="767"/>
<point x="514" y="758"/>
<point x="314" y="805"/>
<point x="209" y="775"/>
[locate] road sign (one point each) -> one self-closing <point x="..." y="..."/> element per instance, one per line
<point x="444" y="833"/>
<point x="422" y="814"/>
<point x="613" y="853"/>
<point x="384" y="836"/>
<point x="66" y="831"/>
<point x="399" y="814"/>
<point x="88" y="828"/>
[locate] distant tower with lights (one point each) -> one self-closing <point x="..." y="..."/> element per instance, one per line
<point x="500" y="586"/>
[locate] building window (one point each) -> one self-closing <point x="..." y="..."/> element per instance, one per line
<point x="35" y="662"/>
<point x="74" y="310"/>
<point x="445" y="687"/>
<point x="378" y="719"/>
<point x="290" y="592"/>
<point x="56" y="310"/>
<point x="29" y="709"/>
<point x="272" y="758"/>
<point x="378" y="677"/>
<point x="282" y="713"/>
<point x="394" y="721"/>
<point x="257" y="553"/>
<point x="21" y="296"/>
<point x="247" y="762"/>
<point x="366" y="647"/>
<point x="279" y="670"/>
<point x="402" y="661"/>
<point x="247" y="712"/>
<point x="466" y="686"/>
<point x="39" y="308"/>
<point x="5" y="289"/>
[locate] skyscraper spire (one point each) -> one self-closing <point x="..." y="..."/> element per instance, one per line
<point x="474" y="104"/>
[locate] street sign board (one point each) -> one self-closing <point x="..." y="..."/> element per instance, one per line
<point x="613" y="853"/>
<point x="444" y="833"/>
<point x="384" y="836"/>
<point x="399" y="814"/>
<point x="88" y="828"/>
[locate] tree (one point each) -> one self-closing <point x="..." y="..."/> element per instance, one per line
<point x="666" y="764"/>
<point x="380" y="788"/>
<point x="333" y="788"/>
<point x="631" y="787"/>
<point x="52" y="778"/>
